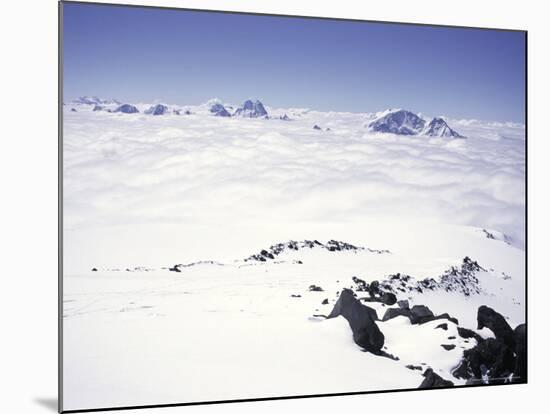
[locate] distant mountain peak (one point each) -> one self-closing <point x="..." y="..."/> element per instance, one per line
<point x="217" y="108"/>
<point x="438" y="127"/>
<point x="400" y="121"/>
<point x="94" y="100"/>
<point x="124" y="108"/>
<point x="403" y="122"/>
<point x="251" y="109"/>
<point x="158" y="109"/>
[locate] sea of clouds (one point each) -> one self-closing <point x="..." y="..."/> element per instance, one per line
<point x="200" y="171"/>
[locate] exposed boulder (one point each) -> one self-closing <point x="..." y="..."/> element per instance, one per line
<point x="467" y="334"/>
<point x="494" y="360"/>
<point x="432" y="380"/>
<point x="492" y="353"/>
<point x="361" y="319"/>
<point x="315" y="288"/>
<point x="489" y="318"/>
<point x="387" y="298"/>
<point x="418" y="314"/>
<point x="395" y="312"/>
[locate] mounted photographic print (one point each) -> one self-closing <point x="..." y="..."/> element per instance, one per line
<point x="261" y="206"/>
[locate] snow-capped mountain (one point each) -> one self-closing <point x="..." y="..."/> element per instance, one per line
<point x="158" y="109"/>
<point x="218" y="109"/>
<point x="438" y="127"/>
<point x="251" y="109"/>
<point x="403" y="122"/>
<point x="125" y="109"/>
<point x="94" y="100"/>
<point x="400" y="122"/>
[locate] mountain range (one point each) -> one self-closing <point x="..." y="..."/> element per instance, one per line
<point x="394" y="121"/>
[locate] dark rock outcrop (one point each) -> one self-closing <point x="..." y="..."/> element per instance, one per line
<point x="489" y="318"/>
<point x="332" y="246"/>
<point x="361" y="319"/>
<point x="498" y="360"/>
<point x="467" y="334"/>
<point x="418" y="314"/>
<point x="432" y="380"/>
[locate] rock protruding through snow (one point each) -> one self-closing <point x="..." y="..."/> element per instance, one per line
<point x="361" y="319"/>
<point x="332" y="246"/>
<point x="498" y="360"/>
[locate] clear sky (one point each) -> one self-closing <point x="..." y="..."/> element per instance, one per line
<point x="185" y="57"/>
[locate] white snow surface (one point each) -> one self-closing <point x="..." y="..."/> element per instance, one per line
<point x="144" y="193"/>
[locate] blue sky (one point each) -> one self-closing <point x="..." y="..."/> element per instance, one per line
<point x="185" y="57"/>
